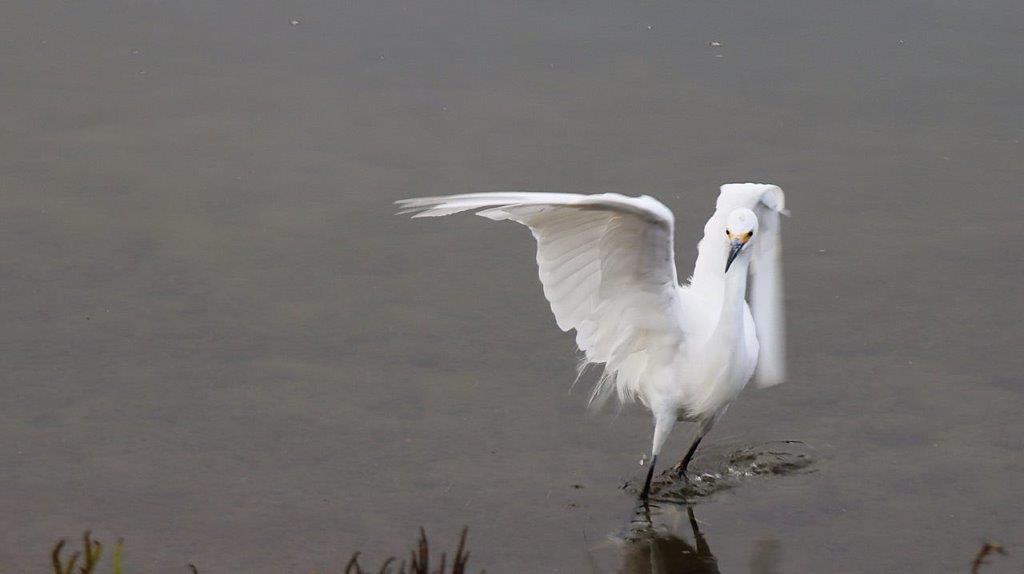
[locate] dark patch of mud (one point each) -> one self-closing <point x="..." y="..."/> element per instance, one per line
<point x="715" y="472"/>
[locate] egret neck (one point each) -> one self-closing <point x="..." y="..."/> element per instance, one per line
<point x="730" y="322"/>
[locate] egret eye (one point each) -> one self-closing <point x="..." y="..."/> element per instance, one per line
<point x="727" y="232"/>
<point x="750" y="234"/>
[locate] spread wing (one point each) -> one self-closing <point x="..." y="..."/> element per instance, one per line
<point x="607" y="265"/>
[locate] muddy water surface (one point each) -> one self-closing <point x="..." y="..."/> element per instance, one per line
<point x="218" y="342"/>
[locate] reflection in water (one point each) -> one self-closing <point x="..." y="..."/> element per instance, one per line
<point x="651" y="549"/>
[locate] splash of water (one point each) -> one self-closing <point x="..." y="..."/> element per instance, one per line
<point x="718" y="472"/>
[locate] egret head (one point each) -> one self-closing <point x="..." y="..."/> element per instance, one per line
<point x="740" y="227"/>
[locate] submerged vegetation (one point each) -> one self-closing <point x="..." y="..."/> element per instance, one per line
<point x="419" y="560"/>
<point x="90" y="555"/>
<point x="87" y="560"/>
<point x="987" y="549"/>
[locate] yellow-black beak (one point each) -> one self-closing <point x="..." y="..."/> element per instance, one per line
<point x="736" y="243"/>
<point x="734" y="249"/>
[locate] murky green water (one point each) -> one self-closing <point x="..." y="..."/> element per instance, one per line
<point x="219" y="343"/>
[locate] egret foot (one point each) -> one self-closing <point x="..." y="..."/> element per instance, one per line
<point x="680" y="471"/>
<point x="680" y="468"/>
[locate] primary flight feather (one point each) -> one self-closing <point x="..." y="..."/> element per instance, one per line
<point x="607" y="265"/>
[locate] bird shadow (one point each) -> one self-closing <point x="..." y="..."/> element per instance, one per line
<point x="717" y="470"/>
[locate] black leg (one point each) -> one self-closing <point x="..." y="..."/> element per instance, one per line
<point x="681" y="467"/>
<point x="650" y="475"/>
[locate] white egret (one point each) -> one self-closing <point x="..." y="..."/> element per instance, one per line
<point x="607" y="266"/>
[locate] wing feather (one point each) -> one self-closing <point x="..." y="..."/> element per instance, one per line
<point x="607" y="266"/>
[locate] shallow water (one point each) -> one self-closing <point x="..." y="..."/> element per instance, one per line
<point x="219" y="343"/>
<point x="723" y="468"/>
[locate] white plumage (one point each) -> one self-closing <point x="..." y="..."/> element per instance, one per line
<point x="607" y="265"/>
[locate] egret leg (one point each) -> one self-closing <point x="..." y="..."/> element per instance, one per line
<point x="647" y="483"/>
<point x="702" y="431"/>
<point x="663" y="423"/>
<point x="680" y="468"/>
